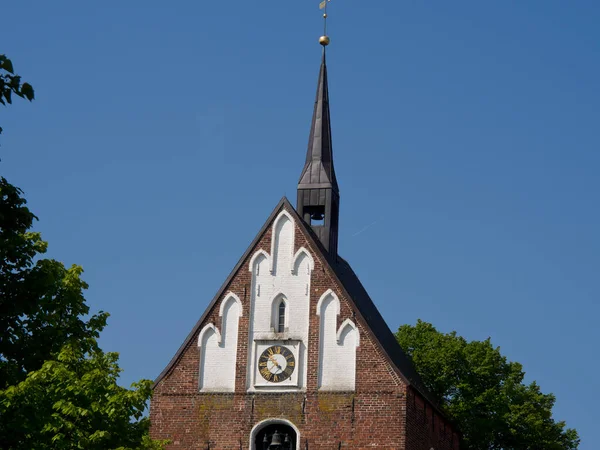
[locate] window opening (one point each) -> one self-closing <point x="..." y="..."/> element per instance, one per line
<point x="281" y="322"/>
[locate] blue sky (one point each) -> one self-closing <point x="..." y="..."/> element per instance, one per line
<point x="466" y="138"/>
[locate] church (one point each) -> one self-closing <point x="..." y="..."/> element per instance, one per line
<point x="291" y="353"/>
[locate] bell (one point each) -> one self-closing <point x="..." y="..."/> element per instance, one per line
<point x="317" y="215"/>
<point x="276" y="440"/>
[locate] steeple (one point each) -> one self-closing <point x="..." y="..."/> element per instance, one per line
<point x="318" y="192"/>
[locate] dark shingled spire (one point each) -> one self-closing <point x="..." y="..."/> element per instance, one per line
<point x="318" y="169"/>
<point x="318" y="192"/>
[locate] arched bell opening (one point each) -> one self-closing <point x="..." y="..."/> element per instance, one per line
<point x="275" y="435"/>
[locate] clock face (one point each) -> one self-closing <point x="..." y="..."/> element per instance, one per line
<point x="276" y="364"/>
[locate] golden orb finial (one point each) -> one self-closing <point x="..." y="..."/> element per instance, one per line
<point x="324" y="40"/>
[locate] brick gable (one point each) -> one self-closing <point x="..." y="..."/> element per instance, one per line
<point x="373" y="415"/>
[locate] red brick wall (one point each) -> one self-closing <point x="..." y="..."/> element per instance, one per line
<point x="371" y="417"/>
<point x="358" y="420"/>
<point x="425" y="428"/>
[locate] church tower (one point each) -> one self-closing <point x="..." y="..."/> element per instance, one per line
<point x="292" y="353"/>
<point x="318" y="192"/>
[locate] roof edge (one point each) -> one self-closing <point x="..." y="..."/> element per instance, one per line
<point x="328" y="260"/>
<point x="221" y="290"/>
<point x="331" y="259"/>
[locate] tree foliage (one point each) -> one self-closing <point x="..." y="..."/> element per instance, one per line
<point x="58" y="389"/>
<point x="41" y="301"/>
<point x="74" y="402"/>
<point x="10" y="83"/>
<point x="484" y="393"/>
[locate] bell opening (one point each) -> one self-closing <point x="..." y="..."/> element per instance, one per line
<point x="315" y="215"/>
<point x="276" y="437"/>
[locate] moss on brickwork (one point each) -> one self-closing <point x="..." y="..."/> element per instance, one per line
<point x="210" y="406"/>
<point x="333" y="405"/>
<point x="287" y="406"/>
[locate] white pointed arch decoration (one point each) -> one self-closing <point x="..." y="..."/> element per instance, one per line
<point x="282" y="215"/>
<point x="231" y="297"/>
<point x="209" y="348"/>
<point x="302" y="251"/>
<point x="230" y="312"/>
<point x="258" y="253"/>
<point x="337" y="345"/>
<point x="206" y="328"/>
<point x="328" y="293"/>
<point x="218" y="349"/>
<point x="347" y="324"/>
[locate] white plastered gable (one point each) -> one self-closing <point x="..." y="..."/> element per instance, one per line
<point x="282" y="242"/>
<point x="283" y="275"/>
<point x="218" y="349"/>
<point x="300" y="257"/>
<point x="337" y="347"/>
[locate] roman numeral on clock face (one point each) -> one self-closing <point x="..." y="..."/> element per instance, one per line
<point x="276" y="364"/>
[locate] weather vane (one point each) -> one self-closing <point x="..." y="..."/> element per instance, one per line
<point x="324" y="40"/>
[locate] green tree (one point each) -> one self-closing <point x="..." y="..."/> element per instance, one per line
<point x="58" y="389"/>
<point x="10" y="83"/>
<point x="484" y="393"/>
<point x="42" y="307"/>
<point x="74" y="402"/>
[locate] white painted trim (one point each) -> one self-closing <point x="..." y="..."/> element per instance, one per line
<point x="203" y="332"/>
<point x="297" y="257"/>
<point x="348" y="323"/>
<point x="263" y="423"/>
<point x="327" y="293"/>
<point x="274" y="228"/>
<point x="231" y="296"/>
<point x="275" y="312"/>
<point x="255" y="256"/>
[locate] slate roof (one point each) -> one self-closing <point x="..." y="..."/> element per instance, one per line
<point x="354" y="291"/>
<point x="378" y="326"/>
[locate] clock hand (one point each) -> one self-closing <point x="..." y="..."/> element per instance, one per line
<point x="274" y="361"/>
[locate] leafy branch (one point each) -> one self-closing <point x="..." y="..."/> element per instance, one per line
<point x="10" y="84"/>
